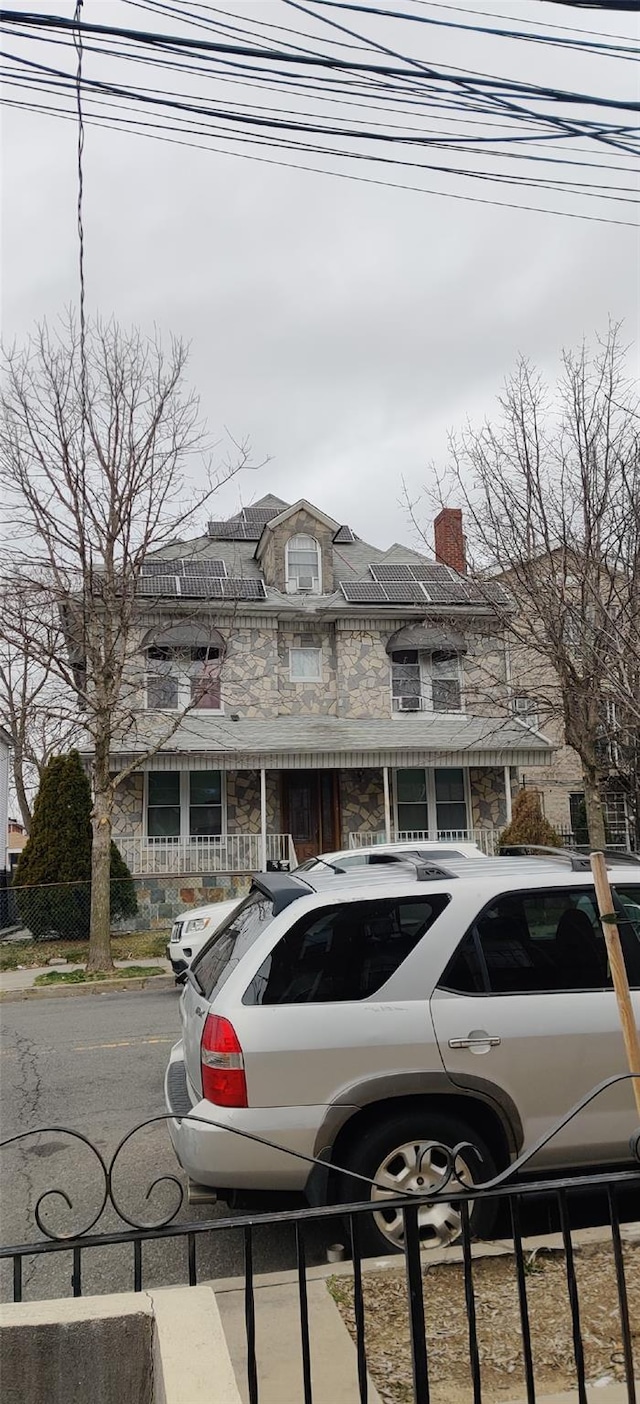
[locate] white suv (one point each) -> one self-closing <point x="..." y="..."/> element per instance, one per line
<point x="360" y="1018"/>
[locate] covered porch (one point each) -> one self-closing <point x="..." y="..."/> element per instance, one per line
<point x="285" y="790"/>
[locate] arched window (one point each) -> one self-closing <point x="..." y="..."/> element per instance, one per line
<point x="303" y="565"/>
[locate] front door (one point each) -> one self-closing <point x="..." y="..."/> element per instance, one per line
<point x="310" y="811"/>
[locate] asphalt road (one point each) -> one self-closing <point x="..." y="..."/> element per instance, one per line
<point x="96" y="1064"/>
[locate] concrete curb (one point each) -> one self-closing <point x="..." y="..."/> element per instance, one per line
<point x="157" y="982"/>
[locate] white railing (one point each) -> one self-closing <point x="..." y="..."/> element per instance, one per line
<point x="231" y="853"/>
<point x="486" y="839"/>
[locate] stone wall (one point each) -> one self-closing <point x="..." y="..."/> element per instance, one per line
<point x="243" y="802"/>
<point x="128" y="814"/>
<point x="363" y="672"/>
<point x="488" y="798"/>
<point x="361" y="802"/>
<point x="250" y="672"/>
<point x="162" y="899"/>
<point x="307" y="698"/>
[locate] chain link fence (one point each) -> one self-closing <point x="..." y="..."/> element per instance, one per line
<point x="61" y="911"/>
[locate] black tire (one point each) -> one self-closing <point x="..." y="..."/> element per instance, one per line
<point x="366" y="1155"/>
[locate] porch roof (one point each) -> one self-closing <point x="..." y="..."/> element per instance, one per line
<point x="307" y="743"/>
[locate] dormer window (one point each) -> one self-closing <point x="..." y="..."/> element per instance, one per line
<point x="303" y="566"/>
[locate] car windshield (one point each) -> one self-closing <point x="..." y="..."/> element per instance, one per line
<point x="213" y="965"/>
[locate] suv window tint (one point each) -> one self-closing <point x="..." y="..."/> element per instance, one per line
<point x="214" y="963"/>
<point x="344" y="952"/>
<point x="530" y="942"/>
<point x="628" y="900"/>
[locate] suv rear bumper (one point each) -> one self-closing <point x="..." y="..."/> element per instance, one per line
<point x="212" y="1152"/>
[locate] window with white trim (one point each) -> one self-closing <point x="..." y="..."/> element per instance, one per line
<point x="431" y="802"/>
<point x="303" y="565"/>
<point x="425" y="682"/>
<point x="185" y="804"/>
<point x="183" y="677"/>
<point x="305" y="664"/>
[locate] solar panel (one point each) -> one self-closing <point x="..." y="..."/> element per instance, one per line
<point x="157" y="585"/>
<point x="201" y="567"/>
<point x="243" y="590"/>
<point x="404" y="592"/>
<point x="200" y="588"/>
<point x="430" y="570"/>
<point x="261" y="514"/>
<point x="363" y="592"/>
<point x="384" y="571"/>
<point x="235" y="530"/>
<point x="159" y="567"/>
<point x="344" y="536"/>
<point x="450" y="593"/>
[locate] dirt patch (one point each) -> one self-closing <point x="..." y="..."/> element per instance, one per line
<point x="140" y="945"/>
<point x="79" y="977"/>
<point x="498" y="1325"/>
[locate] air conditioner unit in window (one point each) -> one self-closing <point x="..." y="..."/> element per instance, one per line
<point x="307" y="582"/>
<point x="409" y="704"/>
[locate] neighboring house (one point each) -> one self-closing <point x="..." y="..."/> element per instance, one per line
<point x="16" y="839"/>
<point x="341" y="696"/>
<point x="5" y="756"/>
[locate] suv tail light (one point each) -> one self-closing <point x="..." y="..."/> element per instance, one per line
<point x="222" y="1064"/>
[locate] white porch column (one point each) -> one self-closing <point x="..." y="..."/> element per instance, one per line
<point x="263" y="820"/>
<point x="387" y="803"/>
<point x="507" y="791"/>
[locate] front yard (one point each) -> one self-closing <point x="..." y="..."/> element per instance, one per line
<point x="141" y="945"/>
<point x="498" y="1324"/>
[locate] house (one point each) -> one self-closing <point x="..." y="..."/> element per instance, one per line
<point x="340" y="697"/>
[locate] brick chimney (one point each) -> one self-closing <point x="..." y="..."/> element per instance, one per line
<point x="449" y="539"/>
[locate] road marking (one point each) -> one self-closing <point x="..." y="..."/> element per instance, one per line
<point x="123" y="1043"/>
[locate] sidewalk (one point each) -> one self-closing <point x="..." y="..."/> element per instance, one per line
<point x="14" y="982"/>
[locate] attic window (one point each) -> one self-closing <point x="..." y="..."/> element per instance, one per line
<point x="303" y="565"/>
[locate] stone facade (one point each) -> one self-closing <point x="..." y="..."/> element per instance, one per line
<point x="128" y="816"/>
<point x="307" y="698"/>
<point x="243" y="802"/>
<point x="361" y="802"/>
<point x="272" y="550"/>
<point x="363" y="670"/>
<point x="249" y="672"/>
<point x="162" y="899"/>
<point x="488" y="798"/>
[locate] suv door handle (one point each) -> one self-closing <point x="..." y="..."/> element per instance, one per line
<point x="475" y="1041"/>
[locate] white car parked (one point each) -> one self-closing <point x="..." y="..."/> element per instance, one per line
<point x="193" y="928"/>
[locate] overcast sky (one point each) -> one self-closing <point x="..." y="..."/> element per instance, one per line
<point x="344" y="328"/>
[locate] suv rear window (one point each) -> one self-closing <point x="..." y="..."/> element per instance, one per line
<point x="214" y="963"/>
<point x="344" y="952"/>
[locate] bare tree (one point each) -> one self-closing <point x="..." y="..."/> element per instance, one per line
<point x="551" y="493"/>
<point x="95" y="440"/>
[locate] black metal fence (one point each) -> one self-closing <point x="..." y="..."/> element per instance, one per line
<point x="511" y="1194"/>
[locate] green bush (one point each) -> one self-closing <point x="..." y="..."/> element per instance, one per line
<point x="528" y="824"/>
<point x="53" y="874"/>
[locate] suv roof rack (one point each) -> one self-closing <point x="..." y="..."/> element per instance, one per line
<point x="578" y="862"/>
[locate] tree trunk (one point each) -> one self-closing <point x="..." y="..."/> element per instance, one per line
<point x="99" y="929"/>
<point x="593" y="806"/>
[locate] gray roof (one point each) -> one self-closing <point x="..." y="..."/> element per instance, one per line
<point x="316" y="742"/>
<point x="407" y="578"/>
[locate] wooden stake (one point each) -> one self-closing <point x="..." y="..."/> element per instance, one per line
<point x="618" y="969"/>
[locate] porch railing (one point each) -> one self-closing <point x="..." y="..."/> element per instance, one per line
<point x="486" y="839"/>
<point x="230" y="853"/>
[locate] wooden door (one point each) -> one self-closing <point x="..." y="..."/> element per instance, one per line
<point x="310" y="811"/>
